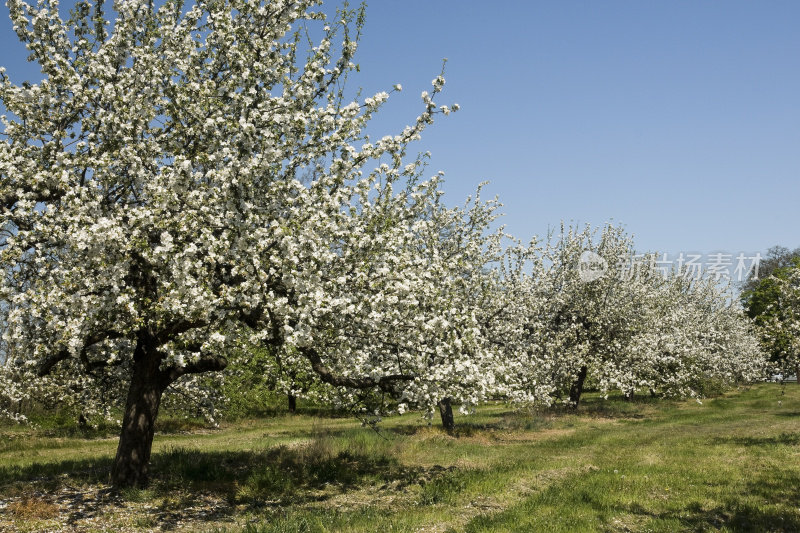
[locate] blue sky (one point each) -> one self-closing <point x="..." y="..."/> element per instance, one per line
<point x="679" y="119"/>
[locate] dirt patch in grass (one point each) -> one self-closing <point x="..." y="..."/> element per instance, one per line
<point x="527" y="436"/>
<point x="99" y="508"/>
<point x="32" y="507"/>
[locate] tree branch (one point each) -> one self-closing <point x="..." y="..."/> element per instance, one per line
<point x="385" y="383"/>
<point x="47" y="364"/>
<point x="206" y="363"/>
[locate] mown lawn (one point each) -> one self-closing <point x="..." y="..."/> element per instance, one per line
<point x="730" y="464"/>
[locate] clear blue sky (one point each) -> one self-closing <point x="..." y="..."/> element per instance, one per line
<point x="679" y="119"/>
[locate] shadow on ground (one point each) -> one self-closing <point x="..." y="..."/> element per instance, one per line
<point x="785" y="439"/>
<point x="761" y="506"/>
<point x="194" y="485"/>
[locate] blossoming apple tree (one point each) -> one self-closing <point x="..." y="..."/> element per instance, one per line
<point x="187" y="177"/>
<point x="696" y="335"/>
<point x="595" y="311"/>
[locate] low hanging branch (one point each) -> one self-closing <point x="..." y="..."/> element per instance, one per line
<point x="385" y="383"/>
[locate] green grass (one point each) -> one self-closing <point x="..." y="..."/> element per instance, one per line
<point x="730" y="464"/>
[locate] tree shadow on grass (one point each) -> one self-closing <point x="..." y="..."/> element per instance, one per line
<point x="735" y="517"/>
<point x="786" y="439"/>
<point x="273" y="479"/>
<point x="777" y="486"/>
<point x="789" y="414"/>
<point x="767" y="503"/>
<point x="188" y="485"/>
<point x="277" y="474"/>
<point x="743" y="510"/>
<point x="92" y="470"/>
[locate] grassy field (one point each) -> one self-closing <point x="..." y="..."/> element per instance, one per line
<point x="730" y="464"/>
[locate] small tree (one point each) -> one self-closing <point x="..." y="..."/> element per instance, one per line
<point x="752" y="294"/>
<point x="779" y="321"/>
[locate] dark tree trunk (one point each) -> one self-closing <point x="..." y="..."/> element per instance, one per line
<point x="652" y="393"/>
<point x="446" y="413"/>
<point x="577" y="388"/>
<point x="628" y="396"/>
<point x="132" y="461"/>
<point x="797" y="373"/>
<point x="292" y="403"/>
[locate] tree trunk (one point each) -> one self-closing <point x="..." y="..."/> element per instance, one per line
<point x="797" y="373"/>
<point x="577" y="388"/>
<point x="292" y="403"/>
<point x="132" y="461"/>
<point x="628" y="396"/>
<point x="446" y="413"/>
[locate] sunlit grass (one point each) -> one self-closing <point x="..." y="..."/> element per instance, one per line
<point x="730" y="464"/>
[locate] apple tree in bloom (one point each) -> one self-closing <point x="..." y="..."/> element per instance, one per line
<point x="186" y="177"/>
<point x="586" y="319"/>
<point x="697" y="335"/>
<point x="597" y="312"/>
<point x="399" y="297"/>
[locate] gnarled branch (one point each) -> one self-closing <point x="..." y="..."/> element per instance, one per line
<point x="206" y="363"/>
<point x="48" y="363"/>
<point x="385" y="383"/>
